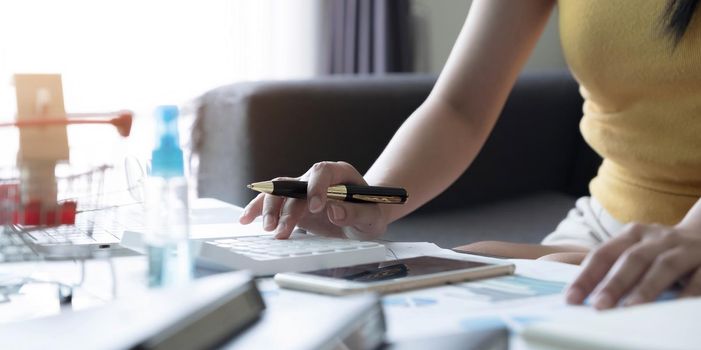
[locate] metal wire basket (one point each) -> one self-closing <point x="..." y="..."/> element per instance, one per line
<point x="75" y="192"/>
<point x="60" y="199"/>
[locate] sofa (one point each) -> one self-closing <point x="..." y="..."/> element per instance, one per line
<point x="528" y="175"/>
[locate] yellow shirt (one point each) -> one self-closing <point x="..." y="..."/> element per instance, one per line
<point x="642" y="109"/>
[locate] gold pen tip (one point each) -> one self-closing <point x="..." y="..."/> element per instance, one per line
<point x="266" y="187"/>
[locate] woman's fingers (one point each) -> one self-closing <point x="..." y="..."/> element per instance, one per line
<point x="639" y="265"/>
<point x="629" y="270"/>
<point x="271" y="211"/>
<point x="667" y="269"/>
<point x="252" y="210"/>
<point x="598" y="264"/>
<point x="263" y="204"/>
<point x="292" y="211"/>
<point x="364" y="219"/>
<point x="267" y="205"/>
<point x="324" y="175"/>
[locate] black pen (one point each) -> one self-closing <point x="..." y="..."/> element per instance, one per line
<point x="348" y="193"/>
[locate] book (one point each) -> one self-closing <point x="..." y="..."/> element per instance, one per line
<point x="199" y="315"/>
<point x="298" y="321"/>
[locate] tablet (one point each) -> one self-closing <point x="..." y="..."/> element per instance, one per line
<point x="391" y="276"/>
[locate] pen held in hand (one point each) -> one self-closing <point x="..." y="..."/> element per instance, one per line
<point x="348" y="193"/>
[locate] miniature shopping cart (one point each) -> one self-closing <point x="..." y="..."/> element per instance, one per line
<point x="53" y="201"/>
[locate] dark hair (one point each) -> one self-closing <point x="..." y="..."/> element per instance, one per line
<point x="677" y="16"/>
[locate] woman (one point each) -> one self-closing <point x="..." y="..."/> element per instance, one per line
<point x="639" y="67"/>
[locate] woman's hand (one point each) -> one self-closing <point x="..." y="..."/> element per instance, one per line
<point x="638" y="265"/>
<point x="317" y="214"/>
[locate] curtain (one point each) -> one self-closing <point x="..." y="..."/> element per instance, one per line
<point x="370" y="37"/>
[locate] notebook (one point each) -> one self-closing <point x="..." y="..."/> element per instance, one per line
<point x="660" y="325"/>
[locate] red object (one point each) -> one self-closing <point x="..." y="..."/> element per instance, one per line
<point x="68" y="211"/>
<point x="32" y="213"/>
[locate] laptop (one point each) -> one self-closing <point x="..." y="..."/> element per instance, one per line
<point x="100" y="232"/>
<point x="95" y="233"/>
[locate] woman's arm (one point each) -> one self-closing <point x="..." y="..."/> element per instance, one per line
<point x="638" y="265"/>
<point x="443" y="136"/>
<point x="437" y="142"/>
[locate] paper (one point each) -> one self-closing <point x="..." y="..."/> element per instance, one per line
<point x="662" y="325"/>
<point x="548" y="270"/>
<point x="534" y="293"/>
<point x="404" y="250"/>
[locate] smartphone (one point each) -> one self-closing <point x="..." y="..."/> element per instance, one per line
<point x="391" y="276"/>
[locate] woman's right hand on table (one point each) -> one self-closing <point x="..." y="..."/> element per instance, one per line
<point x="317" y="213"/>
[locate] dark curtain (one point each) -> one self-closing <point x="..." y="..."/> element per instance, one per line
<point x="370" y="36"/>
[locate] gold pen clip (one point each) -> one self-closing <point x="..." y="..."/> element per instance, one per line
<point x="377" y="199"/>
<point x="338" y="192"/>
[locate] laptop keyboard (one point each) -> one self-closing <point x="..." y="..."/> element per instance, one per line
<point x="88" y="232"/>
<point x="104" y="227"/>
<point x="14" y="248"/>
<point x="265" y="255"/>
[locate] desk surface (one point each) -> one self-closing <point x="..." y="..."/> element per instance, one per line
<point x="511" y="301"/>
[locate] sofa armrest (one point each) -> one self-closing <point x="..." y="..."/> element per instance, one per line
<point x="250" y="132"/>
<point x="256" y="131"/>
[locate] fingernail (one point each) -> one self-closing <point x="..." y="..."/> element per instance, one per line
<point x="268" y="222"/>
<point x="280" y="228"/>
<point x="574" y="296"/>
<point x="602" y="301"/>
<point x="315" y="204"/>
<point x="338" y="212"/>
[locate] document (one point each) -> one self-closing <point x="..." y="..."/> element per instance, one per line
<point x="534" y="293"/>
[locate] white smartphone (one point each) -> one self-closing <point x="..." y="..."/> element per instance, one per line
<point x="391" y="276"/>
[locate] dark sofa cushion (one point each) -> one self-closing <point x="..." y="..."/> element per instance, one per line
<point x="524" y="219"/>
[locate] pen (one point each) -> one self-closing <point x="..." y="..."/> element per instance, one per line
<point x="348" y="193"/>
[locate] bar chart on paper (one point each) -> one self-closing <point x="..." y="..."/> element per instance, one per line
<point x="509" y="288"/>
<point x="476" y="305"/>
<point x="534" y="293"/>
<point x="481" y="292"/>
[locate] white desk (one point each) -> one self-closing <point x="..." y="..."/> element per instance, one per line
<point x="420" y="314"/>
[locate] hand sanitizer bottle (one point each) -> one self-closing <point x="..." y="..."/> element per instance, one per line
<point x="166" y="206"/>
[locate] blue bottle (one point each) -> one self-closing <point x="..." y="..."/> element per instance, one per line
<point x="166" y="205"/>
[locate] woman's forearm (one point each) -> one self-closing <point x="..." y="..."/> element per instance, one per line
<point x="440" y="140"/>
<point x="428" y="153"/>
